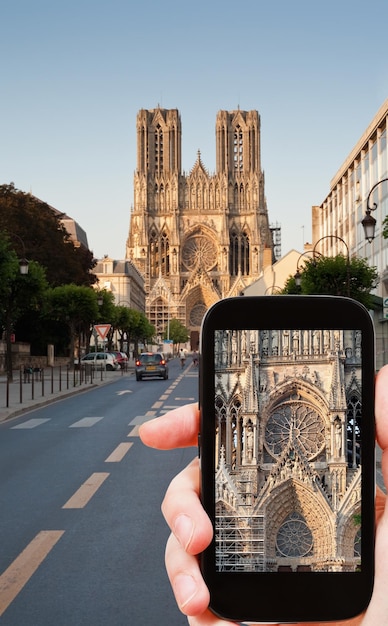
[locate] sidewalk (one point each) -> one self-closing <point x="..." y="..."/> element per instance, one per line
<point x="29" y="391"/>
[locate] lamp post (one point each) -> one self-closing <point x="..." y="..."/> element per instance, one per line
<point x="369" y="222"/>
<point x="315" y="252"/>
<point x="347" y="257"/>
<point x="298" y="275"/>
<point x="23" y="269"/>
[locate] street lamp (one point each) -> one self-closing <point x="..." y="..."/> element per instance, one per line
<point x="298" y="274"/>
<point x="23" y="263"/>
<point x="369" y="222"/>
<point x="347" y="257"/>
<point x="314" y="252"/>
<point x="23" y="269"/>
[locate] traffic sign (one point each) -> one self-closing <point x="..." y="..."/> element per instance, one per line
<point x="102" y="330"/>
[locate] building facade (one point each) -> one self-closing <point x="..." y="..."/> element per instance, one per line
<point x="197" y="237"/>
<point x="123" y="280"/>
<point x="288" y="470"/>
<point x="343" y="209"/>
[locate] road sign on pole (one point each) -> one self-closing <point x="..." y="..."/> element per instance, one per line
<point x="102" y="330"/>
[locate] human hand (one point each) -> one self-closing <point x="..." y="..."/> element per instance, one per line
<point x="192" y="529"/>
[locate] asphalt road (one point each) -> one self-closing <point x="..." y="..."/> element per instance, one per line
<point x="82" y="535"/>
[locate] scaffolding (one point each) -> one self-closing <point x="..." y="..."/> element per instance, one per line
<point x="240" y="543"/>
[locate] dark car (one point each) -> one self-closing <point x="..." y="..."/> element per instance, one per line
<point x="151" y="364"/>
<point x="121" y="359"/>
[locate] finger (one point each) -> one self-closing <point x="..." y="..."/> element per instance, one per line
<point x="377" y="612"/>
<point x="190" y="591"/>
<point x="183" y="511"/>
<point x="381" y="407"/>
<point x="177" y="429"/>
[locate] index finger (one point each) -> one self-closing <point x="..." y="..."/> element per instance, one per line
<point x="177" y="429"/>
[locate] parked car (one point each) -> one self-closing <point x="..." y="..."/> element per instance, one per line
<point x="121" y="358"/>
<point x="99" y="358"/>
<point x="150" y="364"/>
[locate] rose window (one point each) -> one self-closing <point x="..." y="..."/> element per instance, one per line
<point x="295" y="421"/>
<point x="196" y="314"/>
<point x="199" y="250"/>
<point x="294" y="538"/>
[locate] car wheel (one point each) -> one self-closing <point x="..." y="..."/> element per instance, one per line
<point x="138" y="377"/>
<point x="166" y="376"/>
<point x="109" y="368"/>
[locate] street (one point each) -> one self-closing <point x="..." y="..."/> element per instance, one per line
<point x="82" y="535"/>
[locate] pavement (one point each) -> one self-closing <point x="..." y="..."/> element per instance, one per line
<point x="30" y="391"/>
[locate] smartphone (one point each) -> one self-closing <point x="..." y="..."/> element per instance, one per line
<point x="286" y="448"/>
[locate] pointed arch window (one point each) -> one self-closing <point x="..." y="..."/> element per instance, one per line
<point x="158" y="148"/>
<point x="239" y="254"/>
<point x="353" y="430"/>
<point x="159" y="254"/>
<point x="238" y="149"/>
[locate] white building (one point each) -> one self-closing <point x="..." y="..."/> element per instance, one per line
<point x="342" y="211"/>
<point x="123" y="280"/>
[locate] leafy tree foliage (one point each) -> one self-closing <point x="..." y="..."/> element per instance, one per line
<point x="74" y="306"/>
<point x="385" y="227"/>
<point x="178" y="333"/>
<point x="19" y="294"/>
<point x="336" y="276"/>
<point x="34" y="223"/>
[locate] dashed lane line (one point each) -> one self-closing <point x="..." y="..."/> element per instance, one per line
<point x="32" y="423"/>
<point x="86" y="422"/>
<point x="23" y="567"/>
<point x="87" y="490"/>
<point x="119" y="453"/>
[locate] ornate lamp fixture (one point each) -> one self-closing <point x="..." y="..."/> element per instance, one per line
<point x="369" y="222"/>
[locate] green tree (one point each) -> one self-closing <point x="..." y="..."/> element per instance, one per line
<point x="385" y="227"/>
<point x="336" y="276"/>
<point x="18" y="293"/>
<point x="76" y="307"/>
<point x="178" y="333"/>
<point x="36" y="231"/>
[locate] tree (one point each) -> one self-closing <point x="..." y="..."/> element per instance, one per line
<point x="74" y="306"/>
<point x="41" y="236"/>
<point x="385" y="227"/>
<point x="18" y="294"/>
<point x="177" y="332"/>
<point x="336" y="276"/>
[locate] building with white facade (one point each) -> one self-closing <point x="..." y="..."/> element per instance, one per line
<point x="123" y="280"/>
<point x="342" y="211"/>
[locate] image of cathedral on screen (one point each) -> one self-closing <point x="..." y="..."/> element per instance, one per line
<point x="197" y="237"/>
<point x="288" y="468"/>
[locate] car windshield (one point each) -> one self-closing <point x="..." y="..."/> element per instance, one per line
<point x="150" y="358"/>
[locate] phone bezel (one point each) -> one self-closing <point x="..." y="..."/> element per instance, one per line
<point x="282" y="596"/>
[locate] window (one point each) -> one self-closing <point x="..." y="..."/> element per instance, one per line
<point x="353" y="430"/>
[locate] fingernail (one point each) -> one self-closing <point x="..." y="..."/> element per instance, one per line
<point x="185" y="589"/>
<point x="183" y="530"/>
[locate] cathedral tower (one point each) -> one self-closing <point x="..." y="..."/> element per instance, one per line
<point x="197" y="237"/>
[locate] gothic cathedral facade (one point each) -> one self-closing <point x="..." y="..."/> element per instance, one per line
<point x="197" y="238"/>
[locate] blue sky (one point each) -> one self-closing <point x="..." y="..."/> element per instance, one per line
<point x="74" y="74"/>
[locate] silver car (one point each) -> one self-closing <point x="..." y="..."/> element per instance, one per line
<point x="98" y="359"/>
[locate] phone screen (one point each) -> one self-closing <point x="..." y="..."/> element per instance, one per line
<point x="287" y="457"/>
<point x="288" y="406"/>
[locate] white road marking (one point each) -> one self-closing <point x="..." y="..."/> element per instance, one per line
<point x="32" y="423"/>
<point x="140" y="419"/>
<point x="86" y="422"/>
<point x="121" y="393"/>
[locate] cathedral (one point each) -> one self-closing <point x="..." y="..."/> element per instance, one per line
<point x="288" y="468"/>
<point x="197" y="238"/>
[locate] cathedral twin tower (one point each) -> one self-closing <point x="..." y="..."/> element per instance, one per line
<point x="197" y="238"/>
